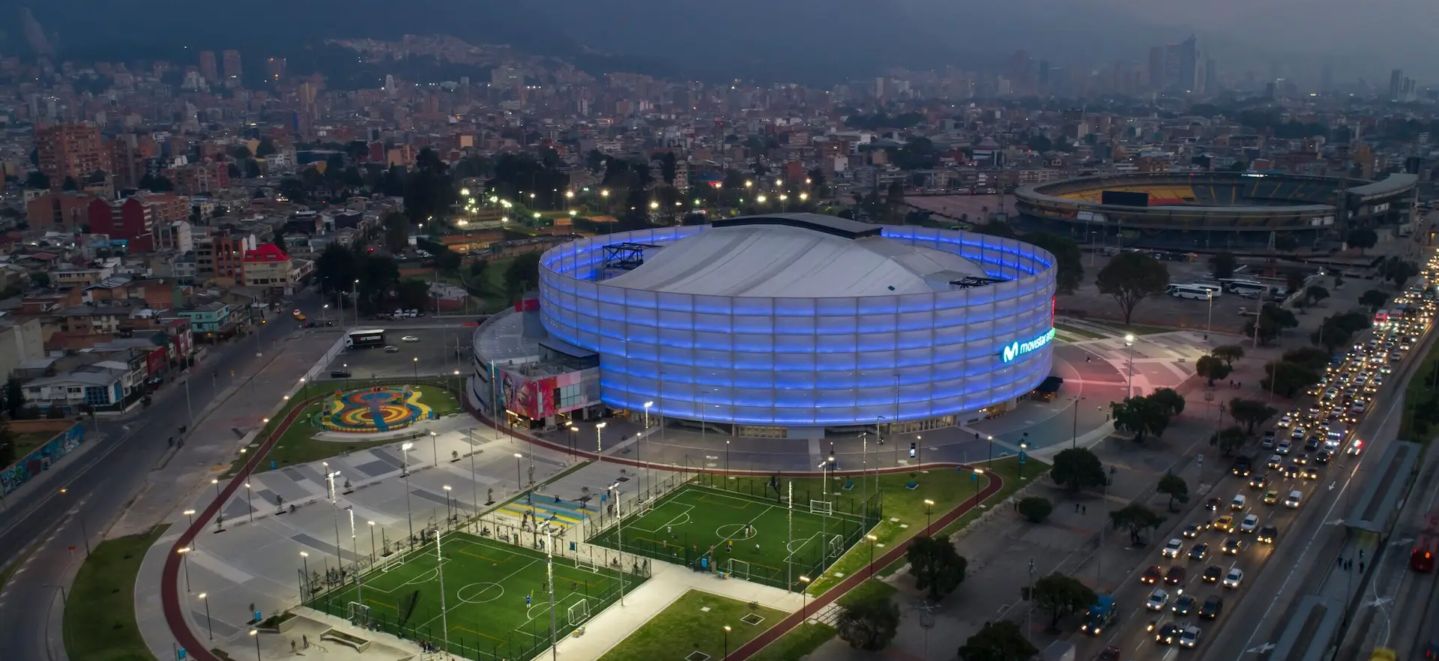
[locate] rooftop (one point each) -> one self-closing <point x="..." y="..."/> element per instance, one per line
<point x="796" y="257"/>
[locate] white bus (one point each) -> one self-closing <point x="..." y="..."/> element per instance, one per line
<point x="1191" y="292"/>
<point x="1245" y="288"/>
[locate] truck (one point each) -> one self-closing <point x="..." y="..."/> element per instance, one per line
<point x="1100" y="614"/>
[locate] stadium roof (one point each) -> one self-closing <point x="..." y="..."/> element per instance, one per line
<point x="792" y="258"/>
<point x="1393" y="183"/>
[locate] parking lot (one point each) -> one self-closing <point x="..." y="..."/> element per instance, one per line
<point x="419" y="351"/>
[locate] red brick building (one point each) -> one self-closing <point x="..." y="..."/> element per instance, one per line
<point x="70" y="150"/>
<point x="127" y="219"/>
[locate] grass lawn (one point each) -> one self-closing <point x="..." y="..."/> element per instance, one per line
<point x="799" y="641"/>
<point x="496" y="597"/>
<point x="1417" y="395"/>
<point x="298" y="444"/>
<point x="100" y="612"/>
<point x="27" y="441"/>
<point x="697" y="524"/>
<point x="695" y="623"/>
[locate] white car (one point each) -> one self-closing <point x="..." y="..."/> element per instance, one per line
<point x="1157" y="599"/>
<point x="1189" y="637"/>
<point x="409" y="338"/>
<point x="1233" y="578"/>
<point x="1293" y="499"/>
<point x="1250" y="524"/>
<point x="1172" y="549"/>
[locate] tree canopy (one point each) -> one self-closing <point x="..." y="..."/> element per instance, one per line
<point x="1173" y="486"/>
<point x="1136" y="519"/>
<point x="1130" y="277"/>
<point x="1250" y="412"/>
<point x="869" y="623"/>
<point x="1061" y="595"/>
<point x="1000" y="640"/>
<point x="1212" y="368"/>
<point x="936" y="567"/>
<point x="1076" y="469"/>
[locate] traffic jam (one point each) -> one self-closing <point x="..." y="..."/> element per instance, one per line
<point x="1204" y="566"/>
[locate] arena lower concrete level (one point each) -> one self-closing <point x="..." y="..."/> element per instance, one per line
<point x="803" y="321"/>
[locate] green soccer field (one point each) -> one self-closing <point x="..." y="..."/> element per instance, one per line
<point x="749" y="536"/>
<point x="496" y="601"/>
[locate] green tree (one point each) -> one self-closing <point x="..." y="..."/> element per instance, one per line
<point x="1250" y="412"/>
<point x="1397" y="270"/>
<point x="40" y="279"/>
<point x="1141" y="416"/>
<point x="869" y="623"/>
<point x="1271" y="321"/>
<point x="1066" y="252"/>
<point x="1222" y="264"/>
<point x="1373" y="299"/>
<point x="70" y="184"/>
<point x="336" y="269"/>
<point x="522" y="273"/>
<point x="1061" y="595"/>
<point x="1228" y="353"/>
<point x="1170" y="402"/>
<point x="1035" y="509"/>
<point x="7" y="446"/>
<point x="1076" y="469"/>
<point x="1230" y="439"/>
<point x="999" y="640"/>
<point x="1173" y="486"/>
<point x="448" y="260"/>
<point x="37" y="180"/>
<point x="1314" y="293"/>
<point x="14" y="397"/>
<point x="1130" y="277"/>
<point x="1136" y="519"/>
<point x="1287" y="379"/>
<point x="1362" y="238"/>
<point x="1312" y="358"/>
<point x="935" y="565"/>
<point x="378" y="275"/>
<point x="668" y="168"/>
<point x="1212" y="368"/>
<point x="397" y="232"/>
<point x="413" y="294"/>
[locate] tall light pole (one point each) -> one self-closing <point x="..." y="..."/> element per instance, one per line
<point x="448" y="516"/>
<point x="803" y="599"/>
<point x="872" y="539"/>
<point x="599" y="444"/>
<point x="415" y="366"/>
<point x="435" y="447"/>
<point x="372" y="541"/>
<point x="726" y="643"/>
<point x="405" y="471"/>
<point x="191" y="514"/>
<point x="440" y="573"/>
<point x="474" y="483"/>
<point x="647" y="413"/>
<point x="519" y="482"/>
<point x="574" y="440"/>
<point x="305" y="560"/>
<point x="974" y="477"/>
<point x="184" y="552"/>
<point x="619" y="536"/>
<point x="1129" y="382"/>
<point x="255" y="633"/>
<point x="355" y="549"/>
<point x="550" y="580"/>
<point x="249" y="503"/>
<point x="1209" y="320"/>
<point x="208" y="624"/>
<point x="928" y="514"/>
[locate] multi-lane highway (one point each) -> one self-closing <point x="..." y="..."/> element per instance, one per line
<point x="1309" y="537"/>
<point x="100" y="484"/>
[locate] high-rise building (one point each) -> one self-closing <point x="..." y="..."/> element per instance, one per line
<point x="70" y="150"/>
<point x="1396" y="84"/>
<point x="209" y="68"/>
<point x="233" y="71"/>
<point x="1156" y="67"/>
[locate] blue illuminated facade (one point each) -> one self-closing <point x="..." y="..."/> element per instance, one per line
<point x="809" y="362"/>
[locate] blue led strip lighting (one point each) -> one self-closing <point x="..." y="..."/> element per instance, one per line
<point x="808" y="361"/>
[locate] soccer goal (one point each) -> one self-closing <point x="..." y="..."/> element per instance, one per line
<point x="357" y="613"/>
<point x="739" y="569"/>
<point x="821" y="507"/>
<point x="578" y="612"/>
<point x="581" y="563"/>
<point x="835" y="545"/>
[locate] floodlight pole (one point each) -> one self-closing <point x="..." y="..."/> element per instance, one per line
<point x="440" y="572"/>
<point x="620" y="537"/>
<point x="550" y="579"/>
<point x="789" y="535"/>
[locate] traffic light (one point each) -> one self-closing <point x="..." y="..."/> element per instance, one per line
<point x="913" y="449"/>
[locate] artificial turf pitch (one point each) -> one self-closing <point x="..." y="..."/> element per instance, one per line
<point x="697" y="522"/>
<point x="496" y="597"/>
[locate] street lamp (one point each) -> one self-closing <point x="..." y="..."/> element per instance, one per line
<point x="1129" y="383"/>
<point x="255" y="633"/>
<point x="208" y="624"/>
<point x="647" y="414"/>
<point x="405" y="471"/>
<point x="305" y="560"/>
<point x="804" y="599"/>
<point x="435" y="447"/>
<point x="978" y="472"/>
<point x="372" y="541"/>
<point x="928" y="516"/>
<point x="599" y="445"/>
<point x="726" y="643"/>
<point x="448" y="516"/>
<point x="415" y="363"/>
<point x="1209" y="320"/>
<point x="519" y="483"/>
<point x="191" y="514"/>
<point x="872" y="539"/>
<point x="249" y="503"/>
<point x="184" y="552"/>
<point x="619" y="535"/>
<point x="1022" y="447"/>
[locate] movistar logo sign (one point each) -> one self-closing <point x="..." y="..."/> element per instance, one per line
<point x="1016" y="349"/>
